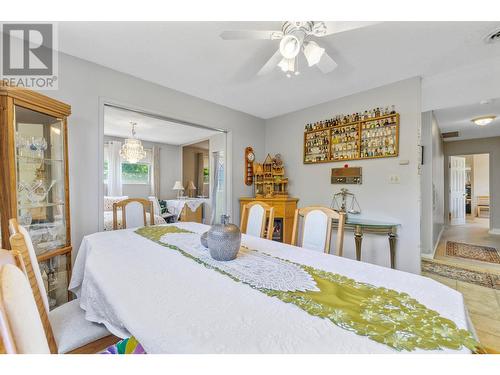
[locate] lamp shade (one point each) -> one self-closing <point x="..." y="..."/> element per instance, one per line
<point x="313" y="53"/>
<point x="178" y="186"/>
<point x="191" y="186"/>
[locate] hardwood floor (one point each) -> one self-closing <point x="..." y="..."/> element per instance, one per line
<point x="483" y="303"/>
<point x="475" y="232"/>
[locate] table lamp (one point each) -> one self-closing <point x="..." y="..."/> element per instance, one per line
<point x="178" y="186"/>
<point x="191" y="188"/>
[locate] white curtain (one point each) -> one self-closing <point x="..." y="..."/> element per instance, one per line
<point x="215" y="187"/>
<point x="155" y="172"/>
<point x="112" y="155"/>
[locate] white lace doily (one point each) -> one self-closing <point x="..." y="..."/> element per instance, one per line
<point x="252" y="267"/>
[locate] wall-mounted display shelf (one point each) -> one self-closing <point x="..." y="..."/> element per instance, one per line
<point x="353" y="137"/>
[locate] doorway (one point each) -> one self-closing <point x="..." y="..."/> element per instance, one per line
<point x="469" y="190"/>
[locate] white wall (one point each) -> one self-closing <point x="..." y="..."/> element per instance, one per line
<point x="426" y="185"/>
<point x="481" y="170"/>
<point x="432" y="184"/>
<point x="438" y="218"/>
<point x="170" y="171"/>
<point x="83" y="84"/>
<point x="378" y="199"/>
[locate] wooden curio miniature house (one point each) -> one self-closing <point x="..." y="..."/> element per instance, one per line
<point x="269" y="178"/>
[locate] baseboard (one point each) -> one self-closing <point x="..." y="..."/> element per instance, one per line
<point x="495" y="231"/>
<point x="431" y="255"/>
<point x="427" y="256"/>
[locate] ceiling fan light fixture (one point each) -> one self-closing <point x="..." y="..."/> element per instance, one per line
<point x="483" y="120"/>
<point x="287" y="65"/>
<point x="313" y="53"/>
<point x="289" y="46"/>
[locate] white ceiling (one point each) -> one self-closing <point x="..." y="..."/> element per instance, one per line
<point x="191" y="57"/>
<point x="459" y="119"/>
<point x="117" y="124"/>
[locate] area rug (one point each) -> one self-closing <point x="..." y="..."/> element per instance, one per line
<point x="485" y="279"/>
<point x="475" y="252"/>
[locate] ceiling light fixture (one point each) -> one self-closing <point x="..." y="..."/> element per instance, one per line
<point x="290" y="46"/>
<point x="287" y="66"/>
<point x="483" y="120"/>
<point x="313" y="53"/>
<point x="132" y="151"/>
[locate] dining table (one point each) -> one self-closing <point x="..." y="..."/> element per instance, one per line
<point x="160" y="285"/>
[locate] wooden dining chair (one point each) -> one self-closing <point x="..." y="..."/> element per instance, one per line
<point x="253" y="220"/>
<point x="21" y="328"/>
<point x="483" y="203"/>
<point x="316" y="229"/>
<point x="133" y="213"/>
<point x="66" y="328"/>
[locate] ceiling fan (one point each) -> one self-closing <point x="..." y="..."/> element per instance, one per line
<point x="295" y="37"/>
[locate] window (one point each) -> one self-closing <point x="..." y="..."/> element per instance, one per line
<point x="105" y="171"/>
<point x="206" y="175"/>
<point x="137" y="173"/>
<point x="134" y="173"/>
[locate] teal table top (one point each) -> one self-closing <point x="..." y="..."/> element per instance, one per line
<point x="356" y="220"/>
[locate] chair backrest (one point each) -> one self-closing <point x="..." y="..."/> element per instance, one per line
<point x="483" y="200"/>
<point x="20" y="324"/>
<point x="14" y="228"/>
<point x="133" y="211"/>
<point x="316" y="229"/>
<point x="156" y="204"/>
<point x="253" y="219"/>
<point x="109" y="200"/>
<point x="20" y="242"/>
<point x="11" y="257"/>
<point x="14" y="258"/>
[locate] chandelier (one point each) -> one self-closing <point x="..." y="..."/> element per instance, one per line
<point x="132" y="151"/>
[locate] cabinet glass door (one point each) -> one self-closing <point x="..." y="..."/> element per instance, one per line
<point x="40" y="171"/>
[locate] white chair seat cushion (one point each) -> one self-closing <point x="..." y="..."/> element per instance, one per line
<point x="71" y="329"/>
<point x="21" y="313"/>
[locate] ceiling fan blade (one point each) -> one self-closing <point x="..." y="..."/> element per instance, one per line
<point x="326" y="64"/>
<point x="334" y="27"/>
<point x="251" y="34"/>
<point x="270" y="64"/>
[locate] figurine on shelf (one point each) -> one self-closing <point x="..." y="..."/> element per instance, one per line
<point x="269" y="178"/>
<point x="36" y="191"/>
<point x="350" y="118"/>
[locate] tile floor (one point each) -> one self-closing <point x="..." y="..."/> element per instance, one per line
<point x="483" y="303"/>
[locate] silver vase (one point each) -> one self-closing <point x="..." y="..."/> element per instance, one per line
<point x="204" y="239"/>
<point x="224" y="240"/>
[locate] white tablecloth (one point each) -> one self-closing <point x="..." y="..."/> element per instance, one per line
<point x="172" y="304"/>
<point x="175" y="206"/>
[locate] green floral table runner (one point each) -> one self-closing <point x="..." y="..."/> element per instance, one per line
<point x="383" y="315"/>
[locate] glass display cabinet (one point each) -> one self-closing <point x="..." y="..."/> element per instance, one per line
<point x="34" y="181"/>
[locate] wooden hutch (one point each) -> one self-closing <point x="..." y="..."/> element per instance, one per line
<point x="34" y="183"/>
<point x="271" y="187"/>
